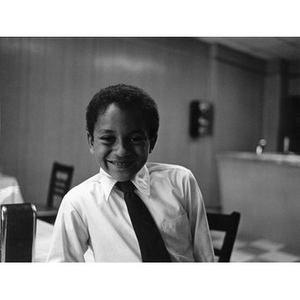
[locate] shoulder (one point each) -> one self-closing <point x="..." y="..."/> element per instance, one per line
<point x="83" y="199"/>
<point x="175" y="178"/>
<point x="162" y="167"/>
<point x="168" y="170"/>
<point x="84" y="188"/>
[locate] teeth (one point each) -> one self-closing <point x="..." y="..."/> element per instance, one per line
<point x="121" y="164"/>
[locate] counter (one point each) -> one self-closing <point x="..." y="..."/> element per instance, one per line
<point x="265" y="189"/>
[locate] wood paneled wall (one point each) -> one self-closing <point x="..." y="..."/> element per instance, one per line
<point x="238" y="91"/>
<point x="281" y="81"/>
<point x="46" y="84"/>
<point x="294" y="79"/>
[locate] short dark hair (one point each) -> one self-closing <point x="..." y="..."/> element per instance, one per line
<point x="123" y="96"/>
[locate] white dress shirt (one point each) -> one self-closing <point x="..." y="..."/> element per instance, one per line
<point x="94" y="214"/>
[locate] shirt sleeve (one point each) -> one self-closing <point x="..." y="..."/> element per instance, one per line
<point x="70" y="236"/>
<point x="202" y="243"/>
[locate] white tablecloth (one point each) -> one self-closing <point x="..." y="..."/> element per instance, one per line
<point x="43" y="239"/>
<point x="9" y="190"/>
<point x="9" y="194"/>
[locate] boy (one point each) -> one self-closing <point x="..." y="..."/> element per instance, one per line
<point x="122" y="125"/>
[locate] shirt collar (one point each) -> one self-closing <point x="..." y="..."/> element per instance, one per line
<point x="141" y="182"/>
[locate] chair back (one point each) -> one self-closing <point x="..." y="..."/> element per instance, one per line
<point x="60" y="183"/>
<point x="18" y="231"/>
<point x="228" y="224"/>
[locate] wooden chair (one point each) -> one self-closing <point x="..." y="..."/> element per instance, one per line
<point x="227" y="224"/>
<point x="18" y="231"/>
<point x="60" y="183"/>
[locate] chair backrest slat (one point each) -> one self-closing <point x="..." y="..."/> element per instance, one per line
<point x="60" y="182"/>
<point x="227" y="223"/>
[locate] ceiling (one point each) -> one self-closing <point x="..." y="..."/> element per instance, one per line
<point x="263" y="47"/>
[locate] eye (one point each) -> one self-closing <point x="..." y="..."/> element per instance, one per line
<point x="137" y="139"/>
<point x="107" y="139"/>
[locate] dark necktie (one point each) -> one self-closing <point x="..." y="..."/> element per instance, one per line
<point x="151" y="243"/>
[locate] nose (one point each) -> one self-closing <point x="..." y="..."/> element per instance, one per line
<point x="122" y="148"/>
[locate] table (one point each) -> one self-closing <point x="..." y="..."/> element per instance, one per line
<point x="9" y="190"/>
<point x="43" y="240"/>
<point x="10" y="194"/>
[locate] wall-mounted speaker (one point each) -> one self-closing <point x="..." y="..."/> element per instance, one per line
<point x="201" y="118"/>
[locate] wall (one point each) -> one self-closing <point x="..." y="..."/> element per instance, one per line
<point x="274" y="91"/>
<point x="46" y="83"/>
<point x="238" y="91"/>
<point x="282" y="80"/>
<point x="294" y="79"/>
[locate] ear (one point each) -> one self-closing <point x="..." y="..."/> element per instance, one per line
<point x="90" y="142"/>
<point x="152" y="143"/>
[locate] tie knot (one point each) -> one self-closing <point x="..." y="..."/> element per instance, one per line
<point x="125" y="186"/>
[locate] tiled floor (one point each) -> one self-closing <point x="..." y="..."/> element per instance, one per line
<point x="247" y="249"/>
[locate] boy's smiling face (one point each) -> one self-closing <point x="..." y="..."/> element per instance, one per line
<point x="121" y="143"/>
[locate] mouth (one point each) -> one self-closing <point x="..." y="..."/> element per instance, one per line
<point x="121" y="164"/>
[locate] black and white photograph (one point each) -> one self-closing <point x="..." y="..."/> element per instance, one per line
<point x="151" y="147"/>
